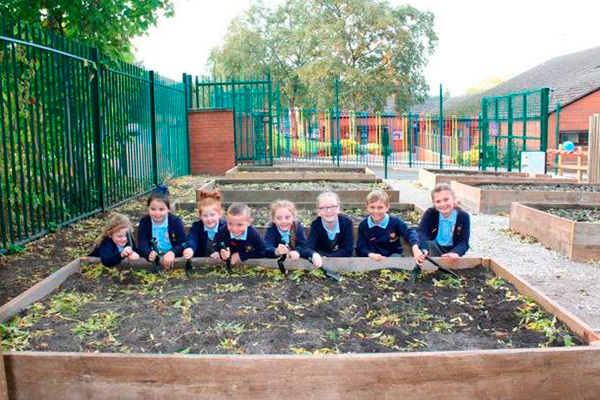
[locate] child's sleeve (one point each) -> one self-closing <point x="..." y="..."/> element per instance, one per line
<point x="424" y="228"/>
<point x="313" y="237"/>
<point x="301" y="243"/>
<point x="180" y="237"/>
<point x="193" y="237"/>
<point x="409" y="234"/>
<point x="362" y="246"/>
<point x="462" y="241"/>
<point x="271" y="241"/>
<point x="346" y="242"/>
<point x="144" y="237"/>
<point x="109" y="253"/>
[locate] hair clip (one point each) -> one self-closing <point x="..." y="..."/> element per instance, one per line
<point x="162" y="189"/>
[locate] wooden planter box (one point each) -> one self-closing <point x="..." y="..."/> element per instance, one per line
<point x="291" y="174"/>
<point x="487" y="201"/>
<point x="431" y="177"/>
<point x="521" y="374"/>
<point x="297" y="196"/>
<point x="580" y="241"/>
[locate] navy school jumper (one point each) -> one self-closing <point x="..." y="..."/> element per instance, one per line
<point x="197" y="238"/>
<point x="176" y="235"/>
<point x="109" y="253"/>
<point x="384" y="241"/>
<point x="428" y="229"/>
<point x="340" y="246"/>
<point x="253" y="247"/>
<point x="273" y="239"/>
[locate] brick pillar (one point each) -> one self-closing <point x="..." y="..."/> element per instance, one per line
<point x="212" y="149"/>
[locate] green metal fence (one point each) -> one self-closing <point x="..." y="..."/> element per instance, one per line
<point x="252" y="104"/>
<point x="78" y="135"/>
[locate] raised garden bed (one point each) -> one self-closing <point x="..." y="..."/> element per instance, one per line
<point x="569" y="228"/>
<point x="431" y="177"/>
<point x="305" y="191"/>
<point x="382" y="311"/>
<point x="285" y="174"/>
<point x="491" y="197"/>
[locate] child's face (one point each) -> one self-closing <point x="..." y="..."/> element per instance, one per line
<point x="158" y="211"/>
<point x="283" y="218"/>
<point x="120" y="237"/>
<point x="237" y="224"/>
<point x="210" y="216"/>
<point x="377" y="211"/>
<point x="328" y="209"/>
<point x="444" y="202"/>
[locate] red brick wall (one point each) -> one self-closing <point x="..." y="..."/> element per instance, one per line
<point x="574" y="117"/>
<point x="212" y="149"/>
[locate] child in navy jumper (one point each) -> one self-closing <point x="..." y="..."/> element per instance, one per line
<point x="379" y="234"/>
<point x="238" y="239"/>
<point x="331" y="233"/>
<point x="163" y="228"/>
<point x="115" y="242"/>
<point x="201" y="240"/>
<point x="445" y="227"/>
<point x="285" y="235"/>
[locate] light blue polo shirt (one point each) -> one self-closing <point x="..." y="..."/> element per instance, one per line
<point x="446" y="229"/>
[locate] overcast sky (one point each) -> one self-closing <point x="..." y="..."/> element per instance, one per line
<point x="478" y="40"/>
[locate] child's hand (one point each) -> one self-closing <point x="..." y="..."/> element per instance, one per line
<point x="281" y="249"/>
<point x="418" y="255"/>
<point x="450" y="255"/>
<point x="293" y="255"/>
<point x="167" y="260"/>
<point x="317" y="260"/>
<point x="152" y="256"/>
<point x="235" y="258"/>
<point x="188" y="253"/>
<point x="126" y="252"/>
<point x="376" y="257"/>
<point x="134" y="256"/>
<point x="225" y="254"/>
<point x="215" y="256"/>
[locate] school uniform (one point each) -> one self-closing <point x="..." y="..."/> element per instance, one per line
<point x="384" y="238"/>
<point x="110" y="253"/>
<point x="459" y="231"/>
<point x="172" y="237"/>
<point x="297" y="241"/>
<point x="249" y="245"/>
<point x="203" y="240"/>
<point x="338" y="243"/>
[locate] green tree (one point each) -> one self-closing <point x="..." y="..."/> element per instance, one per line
<point x="376" y="50"/>
<point x="107" y="24"/>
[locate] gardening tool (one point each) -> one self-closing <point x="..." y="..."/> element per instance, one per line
<point x="415" y="274"/>
<point x="440" y="268"/>
<point x="228" y="261"/>
<point x="157" y="268"/>
<point x="332" y="274"/>
<point x="281" y="259"/>
<point x="130" y="244"/>
<point x="188" y="263"/>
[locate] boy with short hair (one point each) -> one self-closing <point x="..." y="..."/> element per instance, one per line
<point x="238" y="239"/>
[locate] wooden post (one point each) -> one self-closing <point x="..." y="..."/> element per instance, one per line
<point x="594" y="150"/>
<point x="3" y="383"/>
<point x="559" y="171"/>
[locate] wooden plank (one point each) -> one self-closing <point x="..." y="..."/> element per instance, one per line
<point x="191" y="206"/>
<point x="525" y="374"/>
<point x="306" y="196"/>
<point x="3" y="382"/>
<point x="579" y="327"/>
<point x="38" y="291"/>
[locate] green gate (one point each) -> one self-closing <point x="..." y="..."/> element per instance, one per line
<point x="513" y="123"/>
<point x="251" y="102"/>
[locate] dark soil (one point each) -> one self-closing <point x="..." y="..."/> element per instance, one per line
<point x="579" y="214"/>
<point x="257" y="311"/>
<point x="305" y="185"/>
<point x="557" y="187"/>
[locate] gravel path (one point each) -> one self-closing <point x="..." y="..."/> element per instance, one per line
<point x="574" y="285"/>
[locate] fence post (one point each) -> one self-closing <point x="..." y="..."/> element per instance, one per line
<point x="95" y="56"/>
<point x="545" y="93"/>
<point x="270" y="117"/>
<point x="556" y="133"/>
<point x="187" y="122"/>
<point x="441" y="128"/>
<point x="338" y="131"/>
<point x="153" y="130"/>
<point x="385" y="140"/>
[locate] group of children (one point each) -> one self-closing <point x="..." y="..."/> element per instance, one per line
<point x="444" y="231"/>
